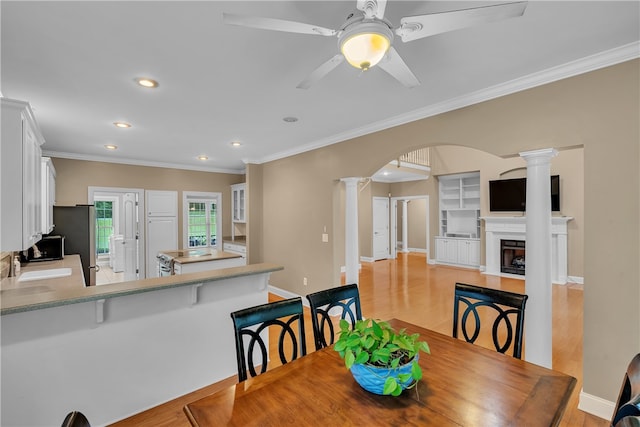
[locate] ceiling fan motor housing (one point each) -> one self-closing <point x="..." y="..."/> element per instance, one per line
<point x="378" y="46"/>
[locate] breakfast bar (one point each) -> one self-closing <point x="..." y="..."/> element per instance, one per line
<point x="114" y="350"/>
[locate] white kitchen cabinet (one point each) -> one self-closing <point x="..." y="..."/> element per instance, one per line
<point x="20" y="153"/>
<point x="194" y="267"/>
<point x="161" y="226"/>
<point x="162" y="236"/>
<point x="238" y="202"/>
<point x="236" y="248"/>
<point x="48" y="194"/>
<point x="463" y="252"/>
<point x="162" y="203"/>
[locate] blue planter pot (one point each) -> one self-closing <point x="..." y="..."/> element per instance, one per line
<point x="372" y="378"/>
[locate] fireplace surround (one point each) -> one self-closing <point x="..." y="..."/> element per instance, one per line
<point x="514" y="229"/>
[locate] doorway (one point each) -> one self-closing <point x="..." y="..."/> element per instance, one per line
<point x="413" y="223"/>
<point x="380" y="228"/>
<point x="119" y="234"/>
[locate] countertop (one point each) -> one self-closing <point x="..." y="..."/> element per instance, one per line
<point x="51" y="295"/>
<point x="11" y="286"/>
<point x="238" y="240"/>
<point x="186" y="256"/>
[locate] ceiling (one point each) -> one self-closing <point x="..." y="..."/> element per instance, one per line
<point x="75" y="62"/>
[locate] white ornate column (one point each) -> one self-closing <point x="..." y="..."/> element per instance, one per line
<point x="405" y="226"/>
<point x="538" y="325"/>
<point x="351" y="253"/>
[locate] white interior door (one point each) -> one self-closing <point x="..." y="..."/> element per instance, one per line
<point x="380" y="228"/>
<point x="130" y="204"/>
<point x="129" y="228"/>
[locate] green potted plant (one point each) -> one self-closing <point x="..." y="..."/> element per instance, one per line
<point x="381" y="360"/>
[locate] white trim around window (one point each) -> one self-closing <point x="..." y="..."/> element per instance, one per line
<point x="191" y="196"/>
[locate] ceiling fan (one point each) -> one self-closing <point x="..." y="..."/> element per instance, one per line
<point x="365" y="39"/>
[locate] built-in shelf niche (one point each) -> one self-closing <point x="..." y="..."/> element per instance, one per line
<point x="460" y="205"/>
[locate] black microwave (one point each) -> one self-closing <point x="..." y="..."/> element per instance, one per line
<point x="47" y="249"/>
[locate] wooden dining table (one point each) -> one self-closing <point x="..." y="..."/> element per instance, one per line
<point x="463" y="385"/>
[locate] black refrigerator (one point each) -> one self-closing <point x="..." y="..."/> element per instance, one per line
<point x="78" y="225"/>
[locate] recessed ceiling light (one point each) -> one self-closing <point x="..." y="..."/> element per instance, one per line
<point x="290" y="119"/>
<point x="122" y="125"/>
<point x="146" y="82"/>
<point x="111" y="147"/>
<point x="203" y="158"/>
<point x="236" y="143"/>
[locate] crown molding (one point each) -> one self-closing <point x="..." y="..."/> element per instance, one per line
<point x="136" y="162"/>
<point x="584" y="65"/>
<point x="580" y="66"/>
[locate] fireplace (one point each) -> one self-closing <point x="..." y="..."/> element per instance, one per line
<point x="512" y="258"/>
<point x="499" y="228"/>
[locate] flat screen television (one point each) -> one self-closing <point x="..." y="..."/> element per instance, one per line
<point x="510" y="195"/>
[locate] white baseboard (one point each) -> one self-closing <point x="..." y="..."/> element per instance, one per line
<point x="576" y="279"/>
<point x="596" y="405"/>
<point x="366" y="259"/>
<point x="343" y="269"/>
<point x="287" y="294"/>
<point x="482" y="268"/>
<point x="419" y="250"/>
<point x="431" y="261"/>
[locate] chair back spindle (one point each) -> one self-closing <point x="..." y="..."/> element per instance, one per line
<point x="252" y="323"/>
<point x="472" y="297"/>
<point x="345" y="299"/>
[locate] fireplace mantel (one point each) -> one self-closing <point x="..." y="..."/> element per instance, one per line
<point x="515" y="228"/>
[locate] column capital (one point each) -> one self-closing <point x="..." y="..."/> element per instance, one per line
<point x="542" y="155"/>
<point x="351" y="180"/>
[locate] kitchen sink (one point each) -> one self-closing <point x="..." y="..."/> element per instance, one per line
<point x="194" y="252"/>
<point x="44" y="274"/>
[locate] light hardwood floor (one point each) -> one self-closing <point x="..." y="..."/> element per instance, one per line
<point x="411" y="290"/>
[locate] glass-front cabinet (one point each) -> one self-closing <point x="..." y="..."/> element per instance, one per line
<point x="238" y="202"/>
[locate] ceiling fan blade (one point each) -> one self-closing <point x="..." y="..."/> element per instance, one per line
<point x="372" y="8"/>
<point x="276" y="24"/>
<point x="321" y="71"/>
<point x="396" y="67"/>
<point x="416" y="27"/>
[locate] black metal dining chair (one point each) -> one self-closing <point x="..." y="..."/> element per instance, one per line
<point x="75" y="419"/>
<point x="344" y="299"/>
<point x="629" y="421"/>
<point x="252" y="324"/>
<point x="473" y="297"/>
<point x="628" y="403"/>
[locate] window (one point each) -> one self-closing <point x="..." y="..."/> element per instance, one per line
<point x="202" y="225"/>
<point x="104" y="225"/>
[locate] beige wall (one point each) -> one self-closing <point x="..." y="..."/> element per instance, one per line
<point x="450" y="159"/>
<point x="598" y="110"/>
<point x="298" y="196"/>
<point x="569" y="164"/>
<point x="73" y="177"/>
<point x="253" y="209"/>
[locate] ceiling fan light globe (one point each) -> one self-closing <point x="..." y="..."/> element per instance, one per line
<point x="364" y="45"/>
